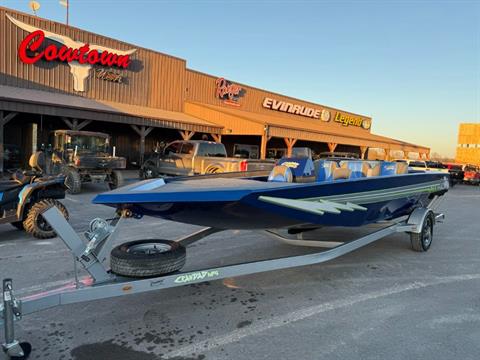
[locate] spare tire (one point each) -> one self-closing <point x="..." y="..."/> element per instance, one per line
<point x="147" y="258"/>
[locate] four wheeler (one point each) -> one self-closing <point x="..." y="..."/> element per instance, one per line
<point x="27" y="195"/>
<point x="84" y="156"/>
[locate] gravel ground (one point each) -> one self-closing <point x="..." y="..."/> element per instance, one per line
<point x="382" y="301"/>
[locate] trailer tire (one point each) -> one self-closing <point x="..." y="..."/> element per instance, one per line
<point x="147" y="258"/>
<point x="34" y="222"/>
<point x="73" y="181"/>
<point x="422" y="241"/>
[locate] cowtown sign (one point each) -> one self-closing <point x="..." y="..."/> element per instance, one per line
<point x="80" y="56"/>
<point x="228" y="92"/>
<point x="296" y="109"/>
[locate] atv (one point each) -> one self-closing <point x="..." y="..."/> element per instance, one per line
<point x="27" y="195"/>
<point x="83" y="156"/>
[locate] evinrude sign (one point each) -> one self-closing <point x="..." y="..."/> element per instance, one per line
<point x="79" y="56"/>
<point x="322" y="114"/>
<point x="296" y="109"/>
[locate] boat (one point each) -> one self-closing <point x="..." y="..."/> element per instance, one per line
<point x="298" y="193"/>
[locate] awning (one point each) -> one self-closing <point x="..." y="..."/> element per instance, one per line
<point x="58" y="104"/>
<point x="240" y="122"/>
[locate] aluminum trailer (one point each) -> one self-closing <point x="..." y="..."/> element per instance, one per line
<point x="101" y="283"/>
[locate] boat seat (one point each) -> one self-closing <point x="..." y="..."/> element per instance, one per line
<point x="324" y="169"/>
<point x="402" y="168"/>
<point x="388" y="168"/>
<point x="342" y="173"/>
<point x="358" y="168"/>
<point x="281" y="173"/>
<point x="373" y="169"/>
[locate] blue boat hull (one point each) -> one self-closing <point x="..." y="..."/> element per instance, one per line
<point x="247" y="204"/>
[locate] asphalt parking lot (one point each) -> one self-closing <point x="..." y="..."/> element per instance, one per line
<point x="382" y="301"/>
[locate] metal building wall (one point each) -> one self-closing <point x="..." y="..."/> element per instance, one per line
<point x="152" y="79"/>
<point x="201" y="88"/>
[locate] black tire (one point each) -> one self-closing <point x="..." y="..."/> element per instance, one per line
<point x="34" y="222"/>
<point x="115" y="180"/>
<point x="18" y="225"/>
<point x="148" y="172"/>
<point x="421" y="242"/>
<point x="73" y="181"/>
<point x="140" y="259"/>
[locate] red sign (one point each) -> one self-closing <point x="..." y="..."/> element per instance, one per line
<point x="83" y="54"/>
<point x="228" y="92"/>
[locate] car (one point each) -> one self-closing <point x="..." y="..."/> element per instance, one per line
<point x="197" y="157"/>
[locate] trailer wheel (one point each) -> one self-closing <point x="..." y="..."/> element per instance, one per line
<point x="73" y="181"/>
<point x="146" y="258"/>
<point x="423" y="240"/>
<point x="36" y="225"/>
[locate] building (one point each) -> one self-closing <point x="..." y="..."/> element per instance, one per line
<point x="468" y="146"/>
<point x="54" y="76"/>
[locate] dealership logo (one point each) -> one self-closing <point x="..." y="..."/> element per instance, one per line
<point x="350" y="120"/>
<point x="80" y="56"/>
<point x="228" y="92"/>
<point x="296" y="109"/>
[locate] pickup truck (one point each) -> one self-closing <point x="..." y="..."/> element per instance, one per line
<point x="198" y="157"/>
<point x="471" y="174"/>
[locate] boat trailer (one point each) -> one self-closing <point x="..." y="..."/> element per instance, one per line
<point x="101" y="283"/>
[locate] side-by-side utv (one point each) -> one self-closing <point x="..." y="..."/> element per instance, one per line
<point x="84" y="156"/>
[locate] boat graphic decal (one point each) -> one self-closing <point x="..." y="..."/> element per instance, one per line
<point x="335" y="204"/>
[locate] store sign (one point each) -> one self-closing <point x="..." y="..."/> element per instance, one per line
<point x="351" y="120"/>
<point x="228" y="92"/>
<point x="80" y="56"/>
<point x="108" y="75"/>
<point x="283" y="106"/>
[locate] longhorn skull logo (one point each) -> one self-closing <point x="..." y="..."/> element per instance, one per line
<point x="80" y="56"/>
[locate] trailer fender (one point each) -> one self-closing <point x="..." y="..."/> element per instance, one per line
<point x="417" y="217"/>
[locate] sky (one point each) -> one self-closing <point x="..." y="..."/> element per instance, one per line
<point x="413" y="66"/>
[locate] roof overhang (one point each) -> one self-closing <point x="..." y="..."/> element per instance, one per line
<point x="58" y="104"/>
